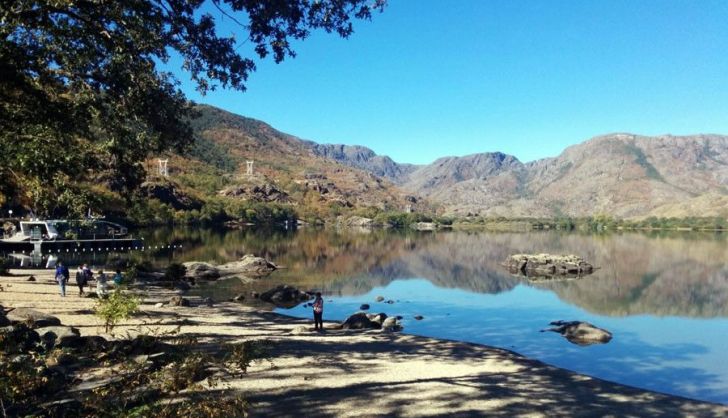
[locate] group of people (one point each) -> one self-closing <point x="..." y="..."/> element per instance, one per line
<point x="83" y="276"/>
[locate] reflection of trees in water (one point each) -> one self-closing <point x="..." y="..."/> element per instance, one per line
<point x="669" y="274"/>
<point x="660" y="276"/>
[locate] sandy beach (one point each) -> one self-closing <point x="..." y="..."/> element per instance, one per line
<point x="363" y="373"/>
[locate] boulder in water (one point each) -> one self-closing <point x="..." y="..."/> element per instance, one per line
<point x="364" y="307"/>
<point x="581" y="333"/>
<point x="391" y="324"/>
<point x="249" y="265"/>
<point x="359" y="321"/>
<point x="202" y="271"/>
<point x="284" y="296"/>
<point x="547" y="265"/>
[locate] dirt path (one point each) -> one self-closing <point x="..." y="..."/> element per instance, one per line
<point x="369" y="373"/>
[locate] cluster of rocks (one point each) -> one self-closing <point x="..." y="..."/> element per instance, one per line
<point x="580" y="333"/>
<point x="249" y="265"/>
<point x="258" y="193"/>
<point x="363" y="320"/>
<point x="285" y="296"/>
<point x="547" y="265"/>
<point x="25" y="329"/>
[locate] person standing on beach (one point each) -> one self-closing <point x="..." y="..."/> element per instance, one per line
<point x="62" y="276"/>
<point x="318" y="312"/>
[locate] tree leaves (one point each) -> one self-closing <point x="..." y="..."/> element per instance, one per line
<point x="81" y="94"/>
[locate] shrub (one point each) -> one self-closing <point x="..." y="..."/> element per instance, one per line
<point x="116" y="307"/>
<point x="175" y="272"/>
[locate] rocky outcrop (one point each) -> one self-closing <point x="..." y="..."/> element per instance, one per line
<point x="547" y="265"/>
<point x="257" y="193"/>
<point x="249" y="265"/>
<point x="284" y="296"/>
<point x="580" y="333"/>
<point x="364" y="158"/>
<point x="37" y="319"/>
<point x="168" y="193"/>
<point x="202" y="271"/>
<point x="357" y="222"/>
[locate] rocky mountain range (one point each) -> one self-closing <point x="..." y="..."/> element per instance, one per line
<point x="621" y="175"/>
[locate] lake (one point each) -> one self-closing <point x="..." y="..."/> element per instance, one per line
<point x="664" y="296"/>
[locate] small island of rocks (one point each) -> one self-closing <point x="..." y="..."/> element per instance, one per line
<point x="547" y="266"/>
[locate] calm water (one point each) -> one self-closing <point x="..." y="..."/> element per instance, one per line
<point x="663" y="296"/>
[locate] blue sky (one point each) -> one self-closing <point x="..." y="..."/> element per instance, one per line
<point x="427" y="78"/>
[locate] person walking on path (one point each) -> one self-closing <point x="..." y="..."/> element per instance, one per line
<point x="89" y="274"/>
<point x="80" y="279"/>
<point x="62" y="277"/>
<point x="318" y="312"/>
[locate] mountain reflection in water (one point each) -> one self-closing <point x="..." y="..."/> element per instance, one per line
<point x="662" y="274"/>
<point x="662" y="296"/>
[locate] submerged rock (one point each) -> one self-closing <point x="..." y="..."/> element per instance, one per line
<point x="364" y="307"/>
<point x="379" y="298"/>
<point x="581" y="333"/>
<point x="547" y="265"/>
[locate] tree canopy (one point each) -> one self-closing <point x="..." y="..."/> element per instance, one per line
<point x="81" y="91"/>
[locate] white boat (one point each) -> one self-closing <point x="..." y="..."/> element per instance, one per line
<point x="52" y="230"/>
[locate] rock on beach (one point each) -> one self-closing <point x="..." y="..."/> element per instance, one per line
<point x="37" y="318"/>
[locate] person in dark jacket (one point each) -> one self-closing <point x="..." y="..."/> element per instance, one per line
<point x="318" y="312"/>
<point x="62" y="276"/>
<point x="80" y="279"/>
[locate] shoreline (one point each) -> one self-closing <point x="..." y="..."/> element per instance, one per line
<point x="364" y="373"/>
